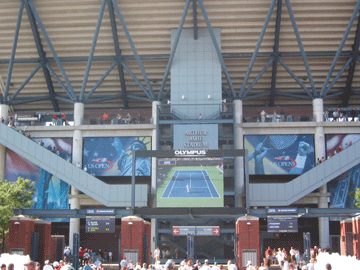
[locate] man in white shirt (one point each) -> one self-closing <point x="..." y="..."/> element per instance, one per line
<point x="47" y="266"/>
<point x="206" y="265"/>
<point x="157" y="254"/>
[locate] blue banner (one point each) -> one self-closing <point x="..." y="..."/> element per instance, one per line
<point x="51" y="192"/>
<point x="280" y="154"/>
<point x="112" y="156"/>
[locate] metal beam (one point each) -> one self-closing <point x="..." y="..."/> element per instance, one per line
<point x="301" y="47"/>
<point x="257" y="47"/>
<point x="338" y="76"/>
<point x="29" y="100"/>
<point x="259" y="76"/>
<point x="103" y="99"/>
<point x="24" y="83"/>
<point x="195" y="19"/>
<point x="350" y="77"/>
<point x="99" y="82"/>
<point x="173" y="49"/>
<point x="92" y="51"/>
<point x="136" y="55"/>
<point x="295" y="78"/>
<point x="293" y="95"/>
<point x="136" y="79"/>
<point x="42" y="57"/>
<point x="337" y="55"/>
<point x="64" y="99"/>
<point x="13" y="51"/>
<point x="118" y="54"/>
<point x="217" y="48"/>
<point x="257" y="96"/>
<point x="276" y="53"/>
<point x="48" y="41"/>
<point x="58" y="80"/>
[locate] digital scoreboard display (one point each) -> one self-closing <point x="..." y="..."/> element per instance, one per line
<point x="100" y="224"/>
<point x="283" y="224"/>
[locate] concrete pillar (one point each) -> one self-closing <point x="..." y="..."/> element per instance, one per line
<point x="324" y="227"/>
<point x="154" y="117"/>
<point x="248" y="233"/>
<point x="74" y="225"/>
<point x="4" y="112"/>
<point x="239" y="164"/>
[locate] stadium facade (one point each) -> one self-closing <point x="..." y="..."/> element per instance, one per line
<point x="264" y="76"/>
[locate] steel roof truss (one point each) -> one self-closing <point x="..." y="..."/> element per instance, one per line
<point x="57" y="60"/>
<point x="295" y="78"/>
<point x="226" y="90"/>
<point x="217" y="48"/>
<point x="276" y="52"/>
<point x="103" y="99"/>
<point x="31" y="99"/>
<point x="349" y="80"/>
<point x="126" y="31"/>
<point x="337" y="55"/>
<point x="293" y="95"/>
<point x="301" y="47"/>
<point x="250" y="97"/>
<point x="64" y="99"/>
<point x="92" y="51"/>
<point x="13" y="51"/>
<point x="118" y="54"/>
<point x="173" y="49"/>
<point x="195" y="19"/>
<point x="99" y="82"/>
<point x="350" y="60"/>
<point x="24" y="83"/>
<point x="259" y="76"/>
<point x="58" y="80"/>
<point x="136" y="79"/>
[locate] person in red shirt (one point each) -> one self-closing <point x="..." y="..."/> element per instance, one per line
<point x="105" y="117"/>
<point x="64" y="118"/>
<point x="81" y="256"/>
<point x="54" y="118"/>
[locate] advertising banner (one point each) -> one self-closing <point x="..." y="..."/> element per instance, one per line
<point x="112" y="156"/>
<point x="51" y="192"/>
<point x="280" y="154"/>
<point x="194" y="137"/>
<point x="337" y="142"/>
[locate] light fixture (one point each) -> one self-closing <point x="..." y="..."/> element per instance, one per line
<point x="168" y="102"/>
<point x="209" y="96"/>
<point x="16" y="222"/>
<point x="130" y="223"/>
<point x="248" y="223"/>
<point x="182" y="97"/>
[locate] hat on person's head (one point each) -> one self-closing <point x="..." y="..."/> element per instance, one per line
<point x="47" y="262"/>
<point x="248" y="263"/>
<point x="30" y="263"/>
<point x="3" y="265"/>
<point x="56" y="264"/>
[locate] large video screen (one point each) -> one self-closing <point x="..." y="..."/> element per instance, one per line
<point x="190" y="182"/>
<point x="280" y="154"/>
<point x="112" y="156"/>
<point x="51" y="192"/>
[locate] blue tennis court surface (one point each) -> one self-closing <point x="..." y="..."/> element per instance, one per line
<point x="190" y="184"/>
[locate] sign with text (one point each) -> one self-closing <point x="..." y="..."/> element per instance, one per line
<point x="194" y="137"/>
<point x="196" y="230"/>
<point x="281" y="211"/>
<point x="284" y="224"/>
<point x="100" y="224"/>
<point x="106" y="212"/>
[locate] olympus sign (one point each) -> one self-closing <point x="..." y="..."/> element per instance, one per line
<point x="190" y="153"/>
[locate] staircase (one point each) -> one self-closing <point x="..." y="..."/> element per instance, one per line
<point x="106" y="194"/>
<point x="284" y="194"/>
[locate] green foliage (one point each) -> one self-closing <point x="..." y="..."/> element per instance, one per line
<point x="16" y="195"/>
<point x="356" y="196"/>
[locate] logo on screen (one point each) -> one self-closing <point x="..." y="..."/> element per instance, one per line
<point x="190" y="153"/>
<point x="285" y="162"/>
<point x="100" y="164"/>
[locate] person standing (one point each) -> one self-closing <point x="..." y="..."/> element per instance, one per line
<point x="157" y="254"/>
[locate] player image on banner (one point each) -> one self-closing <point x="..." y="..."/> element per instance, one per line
<point x="334" y="142"/>
<point x="51" y="192"/>
<point x="112" y="156"/>
<point x="280" y="154"/>
<point x="190" y="182"/>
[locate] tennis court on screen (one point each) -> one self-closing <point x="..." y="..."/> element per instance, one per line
<point x="190" y="184"/>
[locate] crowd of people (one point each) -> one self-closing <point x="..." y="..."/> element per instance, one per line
<point x="120" y="119"/>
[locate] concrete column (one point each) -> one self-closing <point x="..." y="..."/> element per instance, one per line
<point x="154" y="142"/>
<point x="324" y="230"/>
<point x="4" y="112"/>
<point x="239" y="179"/>
<point x="74" y="225"/>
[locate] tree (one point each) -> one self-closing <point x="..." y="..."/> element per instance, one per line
<point x="13" y="195"/>
<point x="356" y="196"/>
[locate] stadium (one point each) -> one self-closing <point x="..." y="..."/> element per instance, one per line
<point x="120" y="110"/>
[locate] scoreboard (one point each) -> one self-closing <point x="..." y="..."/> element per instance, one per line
<point x="100" y="224"/>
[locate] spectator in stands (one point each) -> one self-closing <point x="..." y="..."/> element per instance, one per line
<point x="262" y="116"/>
<point x="353" y="113"/>
<point x="200" y="116"/>
<point x="282" y="116"/>
<point x="336" y="114"/>
<point x="326" y="115"/>
<point x="54" y="118"/>
<point x="105" y="117"/>
<point x="328" y="266"/>
<point x="119" y="118"/>
<point x="128" y="116"/>
<point x="64" y="119"/>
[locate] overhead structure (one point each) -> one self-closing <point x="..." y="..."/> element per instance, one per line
<point x="77" y="46"/>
